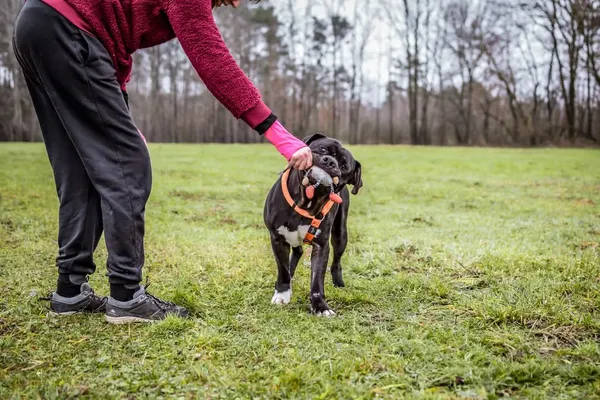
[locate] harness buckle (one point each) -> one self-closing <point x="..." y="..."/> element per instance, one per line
<point x="311" y="233"/>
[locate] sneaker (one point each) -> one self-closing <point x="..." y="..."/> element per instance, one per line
<point x="85" y="302"/>
<point x="142" y="308"/>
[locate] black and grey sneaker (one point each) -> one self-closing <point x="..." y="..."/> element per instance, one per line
<point x="85" y="302"/>
<point x="142" y="308"/>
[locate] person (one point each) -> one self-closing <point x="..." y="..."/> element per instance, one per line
<point x="76" y="56"/>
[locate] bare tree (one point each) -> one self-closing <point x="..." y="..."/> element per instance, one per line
<point x="495" y="72"/>
<point x="363" y="20"/>
<point x="17" y="123"/>
<point x="437" y="56"/>
<point x="560" y="19"/>
<point x="464" y="39"/>
<point x="412" y="26"/>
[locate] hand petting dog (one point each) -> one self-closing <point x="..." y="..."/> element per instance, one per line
<point x="301" y="159"/>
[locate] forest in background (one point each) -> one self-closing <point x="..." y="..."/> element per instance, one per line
<point x="422" y="72"/>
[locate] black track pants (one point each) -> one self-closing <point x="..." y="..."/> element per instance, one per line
<point x="100" y="161"/>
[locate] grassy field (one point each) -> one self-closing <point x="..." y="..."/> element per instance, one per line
<point x="471" y="273"/>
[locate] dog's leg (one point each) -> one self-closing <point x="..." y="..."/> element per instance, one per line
<point x="339" y="240"/>
<point x="283" y="287"/>
<point x="294" y="259"/>
<point x="320" y="256"/>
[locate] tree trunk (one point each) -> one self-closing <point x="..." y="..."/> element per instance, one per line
<point x="390" y="94"/>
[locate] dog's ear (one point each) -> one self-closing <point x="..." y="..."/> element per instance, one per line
<point x="313" y="137"/>
<point x="356" y="180"/>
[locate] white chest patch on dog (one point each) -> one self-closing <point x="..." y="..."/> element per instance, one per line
<point x="295" y="238"/>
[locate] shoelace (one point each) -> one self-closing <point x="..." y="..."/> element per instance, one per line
<point x="47" y="298"/>
<point x="162" y="304"/>
<point x="103" y="301"/>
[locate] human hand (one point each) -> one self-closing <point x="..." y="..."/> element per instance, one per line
<point x="301" y="159"/>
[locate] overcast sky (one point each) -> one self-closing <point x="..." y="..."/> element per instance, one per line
<point x="383" y="34"/>
<point x="378" y="41"/>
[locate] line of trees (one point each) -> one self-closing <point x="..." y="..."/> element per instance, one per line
<point x="424" y="72"/>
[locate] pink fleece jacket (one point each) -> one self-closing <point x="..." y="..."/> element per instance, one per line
<point x="124" y="26"/>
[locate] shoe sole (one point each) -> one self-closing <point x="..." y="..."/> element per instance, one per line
<point x="126" y="320"/>
<point x="61" y="314"/>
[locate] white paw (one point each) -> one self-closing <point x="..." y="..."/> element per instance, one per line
<point x="326" y="313"/>
<point x="282" y="297"/>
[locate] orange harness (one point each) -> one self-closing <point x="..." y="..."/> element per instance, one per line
<point x="316" y="221"/>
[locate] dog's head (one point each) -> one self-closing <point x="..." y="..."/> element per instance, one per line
<point x="330" y="155"/>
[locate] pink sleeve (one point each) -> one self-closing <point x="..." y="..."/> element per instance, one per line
<point x="286" y="143"/>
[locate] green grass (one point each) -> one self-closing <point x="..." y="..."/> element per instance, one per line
<point x="471" y="273"/>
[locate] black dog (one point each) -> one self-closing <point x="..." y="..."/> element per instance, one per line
<point x="288" y="227"/>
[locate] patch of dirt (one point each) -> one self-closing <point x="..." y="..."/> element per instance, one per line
<point x="7" y="224"/>
<point x="447" y="382"/>
<point x="585" y="202"/>
<point x="405" y="250"/>
<point x="553" y="334"/>
<point x="194" y="196"/>
<point x="588" y="245"/>
<point x="254" y="226"/>
<point x="508" y="391"/>
<point x="7" y="327"/>
<point x="420" y="220"/>
<point x="216" y="209"/>
<point x="378" y="319"/>
<point x="566" y="335"/>
<point x="467" y="284"/>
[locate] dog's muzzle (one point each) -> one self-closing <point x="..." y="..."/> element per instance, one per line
<point x="316" y="177"/>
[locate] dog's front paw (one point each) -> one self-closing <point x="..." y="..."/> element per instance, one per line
<point x="319" y="306"/>
<point x="282" y="297"/>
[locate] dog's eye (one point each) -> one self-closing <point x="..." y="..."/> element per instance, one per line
<point x="323" y="149"/>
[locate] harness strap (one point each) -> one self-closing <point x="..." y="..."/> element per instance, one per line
<point x="315" y="219"/>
